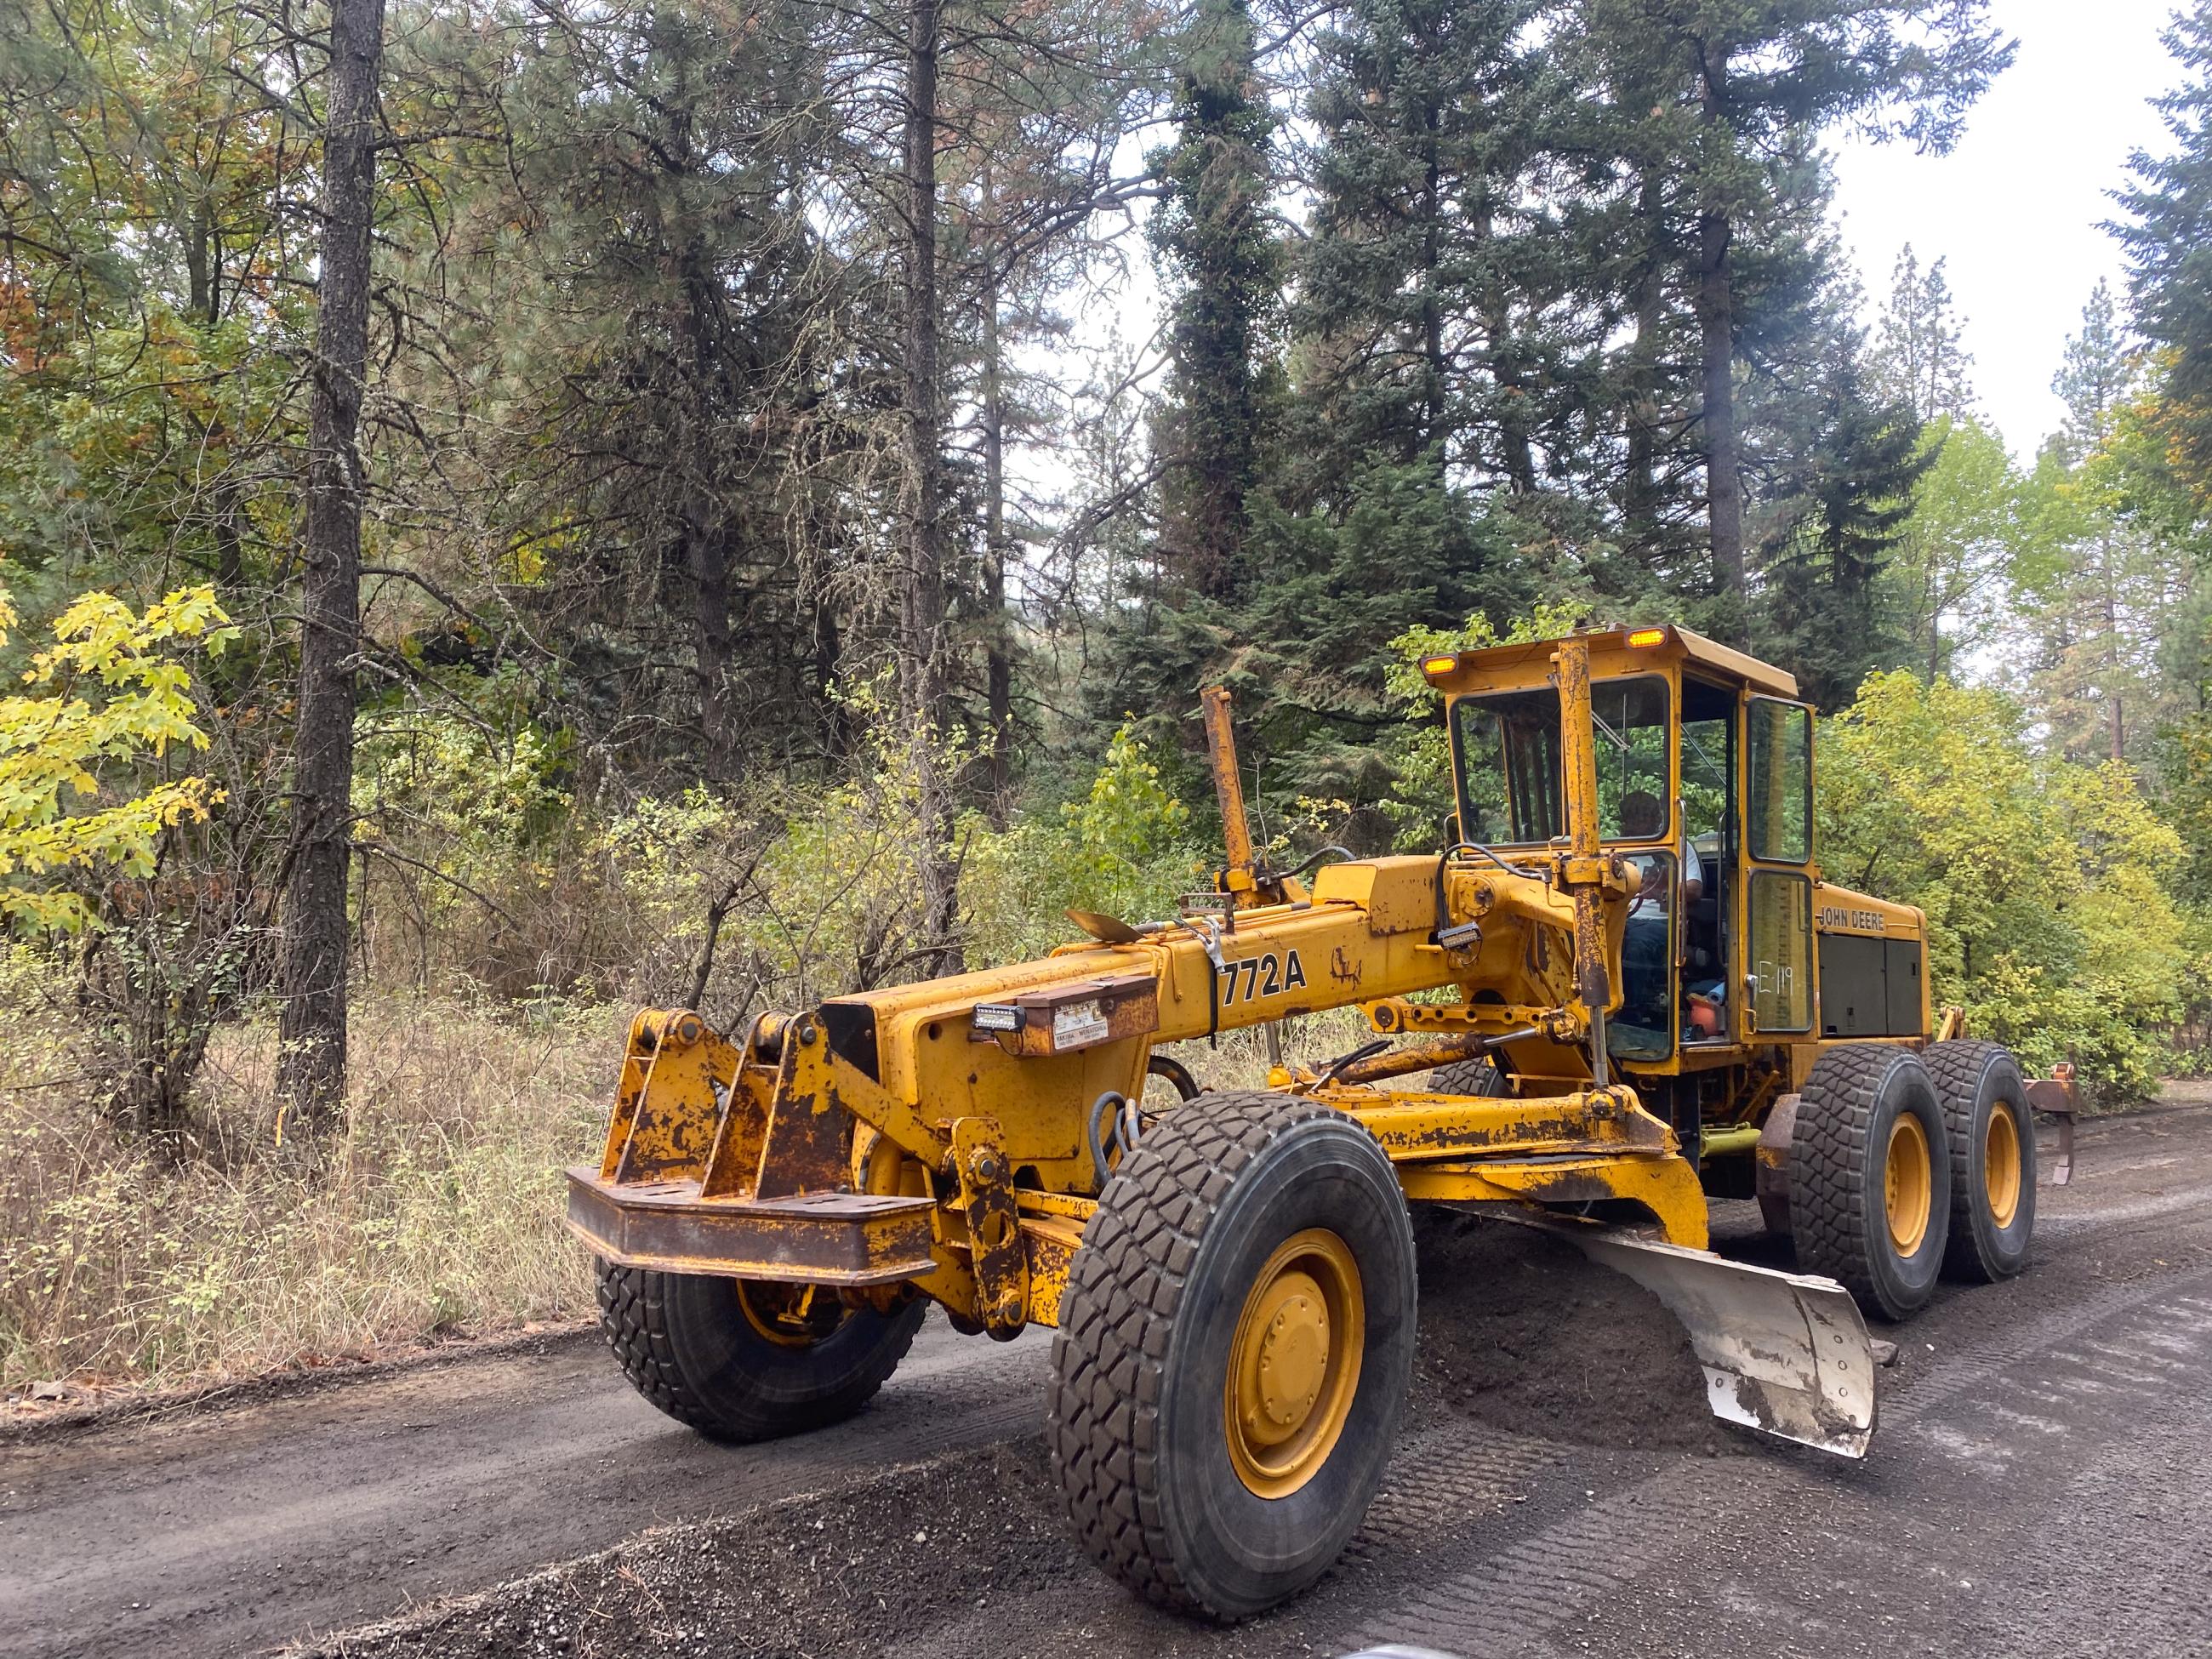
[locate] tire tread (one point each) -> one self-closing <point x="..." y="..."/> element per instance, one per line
<point x="1829" y="1189"/>
<point x="635" y="1316"/>
<point x="1124" y="1289"/>
<point x="1958" y="1067"/>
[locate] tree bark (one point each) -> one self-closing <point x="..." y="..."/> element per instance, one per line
<point x="1716" y="322"/>
<point x="706" y="556"/>
<point x="921" y="600"/>
<point x="999" y="657"/>
<point x="1640" y="489"/>
<point x="311" y="1063"/>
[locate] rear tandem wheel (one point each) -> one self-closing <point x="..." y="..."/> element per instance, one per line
<point x="1233" y="1353"/>
<point x="1991" y="1143"/>
<point x="1869" y="1179"/>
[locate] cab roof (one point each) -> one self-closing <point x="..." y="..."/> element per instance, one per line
<point x="1506" y="667"/>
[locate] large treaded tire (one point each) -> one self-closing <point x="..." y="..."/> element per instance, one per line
<point x="1139" y="1366"/>
<point x="1976" y="1079"/>
<point x="1479" y="1077"/>
<point x="687" y="1346"/>
<point x="1838" y="1210"/>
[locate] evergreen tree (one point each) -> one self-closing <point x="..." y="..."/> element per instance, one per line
<point x="1434" y="273"/>
<point x="1830" y="467"/>
<point x="1222" y="255"/>
<point x="2168" y="240"/>
<point x="2099" y="582"/>
<point x="1751" y="75"/>
<point x="1919" y="358"/>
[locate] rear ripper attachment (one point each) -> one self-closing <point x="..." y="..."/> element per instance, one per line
<point x="1231" y="1273"/>
<point x="737" y="1162"/>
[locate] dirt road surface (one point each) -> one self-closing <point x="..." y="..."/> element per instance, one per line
<point x="2041" y="1485"/>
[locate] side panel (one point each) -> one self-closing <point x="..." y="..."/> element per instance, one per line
<point x="1874" y="966"/>
<point x="1906" y="994"/>
<point x="1855" y="998"/>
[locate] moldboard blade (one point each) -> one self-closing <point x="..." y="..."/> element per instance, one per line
<point x="1785" y="1353"/>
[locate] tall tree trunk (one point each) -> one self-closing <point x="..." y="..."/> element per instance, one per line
<point x="2117" y="729"/>
<point x="1516" y="454"/>
<point x="999" y="657"/>
<point x="1432" y="311"/>
<point x="311" y="1063"/>
<point x="705" y="524"/>
<point x="1640" y="505"/>
<point x="706" y="556"/>
<point x="1716" y="322"/>
<point x="922" y="600"/>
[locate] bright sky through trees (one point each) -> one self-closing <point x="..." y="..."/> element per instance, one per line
<point x="2017" y="207"/>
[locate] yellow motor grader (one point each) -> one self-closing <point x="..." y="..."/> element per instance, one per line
<point x="1630" y="987"/>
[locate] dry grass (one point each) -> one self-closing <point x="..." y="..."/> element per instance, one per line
<point x="436" y="1209"/>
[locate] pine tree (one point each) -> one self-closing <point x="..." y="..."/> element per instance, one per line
<point x="2102" y="582"/>
<point x="1221" y="254"/>
<point x="2168" y="240"/>
<point x="1750" y="76"/>
<point x="1433" y="264"/>
<point x="1830" y="465"/>
<point x="1919" y="357"/>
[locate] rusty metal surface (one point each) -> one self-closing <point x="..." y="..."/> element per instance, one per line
<point x="1412" y="1057"/>
<point x="1064" y="1020"/>
<point x="666" y="1105"/>
<point x="808" y="1145"/>
<point x="827" y="1238"/>
<point x="1000" y="1262"/>
<point x="2058" y="1098"/>
<point x="1424" y="1126"/>
<point x="1049" y="1246"/>
<point x="1238" y="871"/>
<point x="1771" y="1164"/>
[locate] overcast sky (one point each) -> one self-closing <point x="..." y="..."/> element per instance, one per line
<point x="2016" y="208"/>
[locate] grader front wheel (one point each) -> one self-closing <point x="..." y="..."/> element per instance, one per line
<point x="741" y="1359"/>
<point x="1233" y="1353"/>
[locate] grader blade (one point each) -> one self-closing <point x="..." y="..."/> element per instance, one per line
<point x="1784" y="1353"/>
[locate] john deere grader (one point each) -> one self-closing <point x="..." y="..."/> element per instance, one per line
<point x="1629" y="985"/>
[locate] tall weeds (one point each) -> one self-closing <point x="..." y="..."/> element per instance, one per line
<point x="437" y="1209"/>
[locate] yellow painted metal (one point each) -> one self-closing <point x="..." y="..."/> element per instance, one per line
<point x="2001" y="1164"/>
<point x="1907" y="1184"/>
<point x="1294" y="1364"/>
<point x="880" y="1140"/>
<point x="1666" y="1187"/>
<point x="790" y="1316"/>
<point x="1729" y="1139"/>
<point x="1582" y="872"/>
<point x="1239" y="869"/>
<point x="1414" y="1126"/>
<point x="1611" y="653"/>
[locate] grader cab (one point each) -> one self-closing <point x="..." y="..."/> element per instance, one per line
<point x="1629" y="985"/>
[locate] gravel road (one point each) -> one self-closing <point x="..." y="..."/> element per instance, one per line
<point x="2041" y="1485"/>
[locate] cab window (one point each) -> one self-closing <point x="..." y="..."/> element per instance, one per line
<point x="1509" y="767"/>
<point x="1779" y="782"/>
<point x="1509" y="770"/>
<point x="1631" y="732"/>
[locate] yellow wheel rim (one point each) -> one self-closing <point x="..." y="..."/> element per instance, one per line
<point x="2001" y="1164"/>
<point x="790" y="1316"/>
<point x="1294" y="1364"/>
<point x="1908" y="1185"/>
